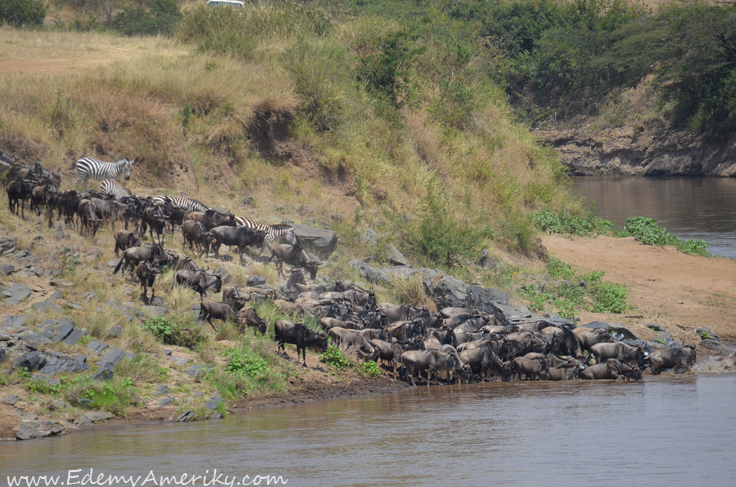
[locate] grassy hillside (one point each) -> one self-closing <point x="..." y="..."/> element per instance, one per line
<point x="395" y="120"/>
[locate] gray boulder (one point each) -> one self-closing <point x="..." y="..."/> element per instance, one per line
<point x="13" y="321"/>
<point x="30" y="360"/>
<point x="446" y="291"/>
<point x="707" y="332"/>
<point x="716" y="347"/>
<point x="113" y="355"/>
<point x="73" y="337"/>
<point x="395" y="257"/>
<point x="316" y="240"/>
<point x="255" y="281"/>
<point x="16" y="293"/>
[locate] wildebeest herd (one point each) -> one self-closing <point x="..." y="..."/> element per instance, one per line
<point x="464" y="343"/>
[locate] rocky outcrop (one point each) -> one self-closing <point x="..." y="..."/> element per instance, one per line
<point x="652" y="151"/>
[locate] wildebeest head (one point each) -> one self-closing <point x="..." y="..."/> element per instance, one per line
<point x="312" y="266"/>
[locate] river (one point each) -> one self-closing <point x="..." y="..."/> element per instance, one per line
<point x="664" y="431"/>
<point x="688" y="207"/>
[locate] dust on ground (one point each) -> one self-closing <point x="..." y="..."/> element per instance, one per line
<point x="681" y="292"/>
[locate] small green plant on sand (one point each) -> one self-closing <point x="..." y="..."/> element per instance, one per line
<point x="335" y="358"/>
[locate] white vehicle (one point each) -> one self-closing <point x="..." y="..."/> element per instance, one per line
<point x="225" y="3"/>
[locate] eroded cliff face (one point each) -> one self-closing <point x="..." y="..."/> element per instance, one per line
<point x="642" y="152"/>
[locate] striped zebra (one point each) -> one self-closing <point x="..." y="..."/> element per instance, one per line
<point x="182" y="202"/>
<point x="114" y="189"/>
<point x="99" y="170"/>
<point x="272" y="231"/>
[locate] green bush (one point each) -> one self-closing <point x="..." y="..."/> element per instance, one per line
<point x="22" y="12"/>
<point x="648" y="232"/>
<point x="567" y="223"/>
<point x="245" y="363"/>
<point x="334" y="357"/>
<point x="151" y="17"/>
<point x="172" y="333"/>
<point x="368" y="369"/>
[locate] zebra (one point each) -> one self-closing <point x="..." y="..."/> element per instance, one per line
<point x="114" y="189"/>
<point x="92" y="168"/>
<point x="187" y="204"/>
<point x="272" y="231"/>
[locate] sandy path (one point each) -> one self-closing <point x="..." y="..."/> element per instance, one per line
<point x="678" y="291"/>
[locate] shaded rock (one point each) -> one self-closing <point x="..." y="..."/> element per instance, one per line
<point x="94" y="416"/>
<point x="166" y="401"/>
<point x="113" y="263"/>
<point x="115" y="331"/>
<point x="27" y="431"/>
<point x="113" y="355"/>
<point x="596" y="325"/>
<point x="224" y="274"/>
<point x="47" y="307"/>
<point x="73" y="337"/>
<point x="62" y="329"/>
<point x="395" y="257"/>
<point x="255" y="281"/>
<point x="213" y="403"/>
<point x="13" y="321"/>
<point x="30" y="360"/>
<point x="215" y="415"/>
<point x="370" y="236"/>
<point x="6" y="269"/>
<point x="47" y="380"/>
<point x="3" y="355"/>
<point x="161" y="390"/>
<point x="180" y="360"/>
<point x="153" y="311"/>
<point x="16" y="293"/>
<point x="36" y="338"/>
<point x="664" y="335"/>
<point x="97" y="346"/>
<point x="55" y="296"/>
<point x="305" y="210"/>
<point x="157" y="301"/>
<point x="446" y="291"/>
<point x="716" y="347"/>
<point x="336" y="217"/>
<point x="708" y="334"/>
<point x="319" y="241"/>
<point x="195" y="370"/>
<point x="11" y="399"/>
<point x="84" y="403"/>
<point x="106" y="372"/>
<point x="655" y="326"/>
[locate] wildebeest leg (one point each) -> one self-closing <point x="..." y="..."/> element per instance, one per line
<point x="209" y="320"/>
<point x="304" y="354"/>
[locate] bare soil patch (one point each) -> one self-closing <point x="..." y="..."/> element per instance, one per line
<point x="678" y="291"/>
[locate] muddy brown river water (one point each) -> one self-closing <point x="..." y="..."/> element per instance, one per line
<point x="662" y="431"/>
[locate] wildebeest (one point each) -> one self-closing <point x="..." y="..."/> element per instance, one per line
<point x="403" y="312"/>
<point x="562" y="372"/>
<point x="232" y="296"/>
<point x="589" y="337"/>
<point x="620" y="351"/>
<point x="195" y="234"/>
<point x="155" y="219"/>
<point x="610" y="369"/>
<point x="387" y="352"/>
<point x="210" y="309"/>
<point x="295" y="256"/>
<point x="482" y="360"/>
<point x="19" y="191"/>
<point x="155" y="254"/>
<point x="403" y="331"/>
<point x="215" y="218"/>
<point x="680" y="358"/>
<point x="238" y="236"/>
<point x="200" y="281"/>
<point x="531" y="368"/>
<point x="351" y="338"/>
<point x="125" y="240"/>
<point x="249" y="317"/>
<point x="431" y="361"/>
<point x="299" y="335"/>
<point x="146" y="273"/>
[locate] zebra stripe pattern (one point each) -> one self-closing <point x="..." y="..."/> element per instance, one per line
<point x="99" y="170"/>
<point x="188" y="204"/>
<point x="272" y="231"/>
<point x="114" y="189"/>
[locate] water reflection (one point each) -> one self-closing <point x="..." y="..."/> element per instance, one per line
<point x="680" y="431"/>
<point x="688" y="207"/>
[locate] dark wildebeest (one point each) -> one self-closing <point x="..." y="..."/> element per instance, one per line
<point x="404" y="331"/>
<point x="90" y="220"/>
<point x="431" y="361"/>
<point x="403" y="312"/>
<point x="19" y="191"/>
<point x="155" y="219"/>
<point x="568" y="371"/>
<point x="210" y="309"/>
<point x="200" y="281"/>
<point x="232" y="296"/>
<point x="351" y="338"/>
<point x="249" y="317"/>
<point x="215" y="218"/>
<point x="590" y="336"/>
<point x="295" y="256"/>
<point x="195" y="235"/>
<point x="67" y="205"/>
<point x="238" y="236"/>
<point x="681" y="358"/>
<point x="620" y="351"/>
<point x="155" y="254"/>
<point x="299" y="335"/>
<point x="146" y="273"/>
<point x="125" y="240"/>
<point x="388" y="352"/>
<point x="531" y="368"/>
<point x="610" y="369"/>
<point x="481" y="360"/>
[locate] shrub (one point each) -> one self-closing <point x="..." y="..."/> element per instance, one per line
<point x="152" y="17"/>
<point x="566" y="222"/>
<point x="22" y="12"/>
<point x="648" y="232"/>
<point x="245" y="363"/>
<point x="172" y="333"/>
<point x="368" y="369"/>
<point x="334" y="357"/>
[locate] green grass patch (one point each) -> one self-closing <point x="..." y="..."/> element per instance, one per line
<point x="172" y="333"/>
<point x="566" y="222"/>
<point x="334" y="357"/>
<point x="648" y="232"/>
<point x="567" y="297"/>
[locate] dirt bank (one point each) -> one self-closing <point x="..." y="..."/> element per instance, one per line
<point x="678" y="291"/>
